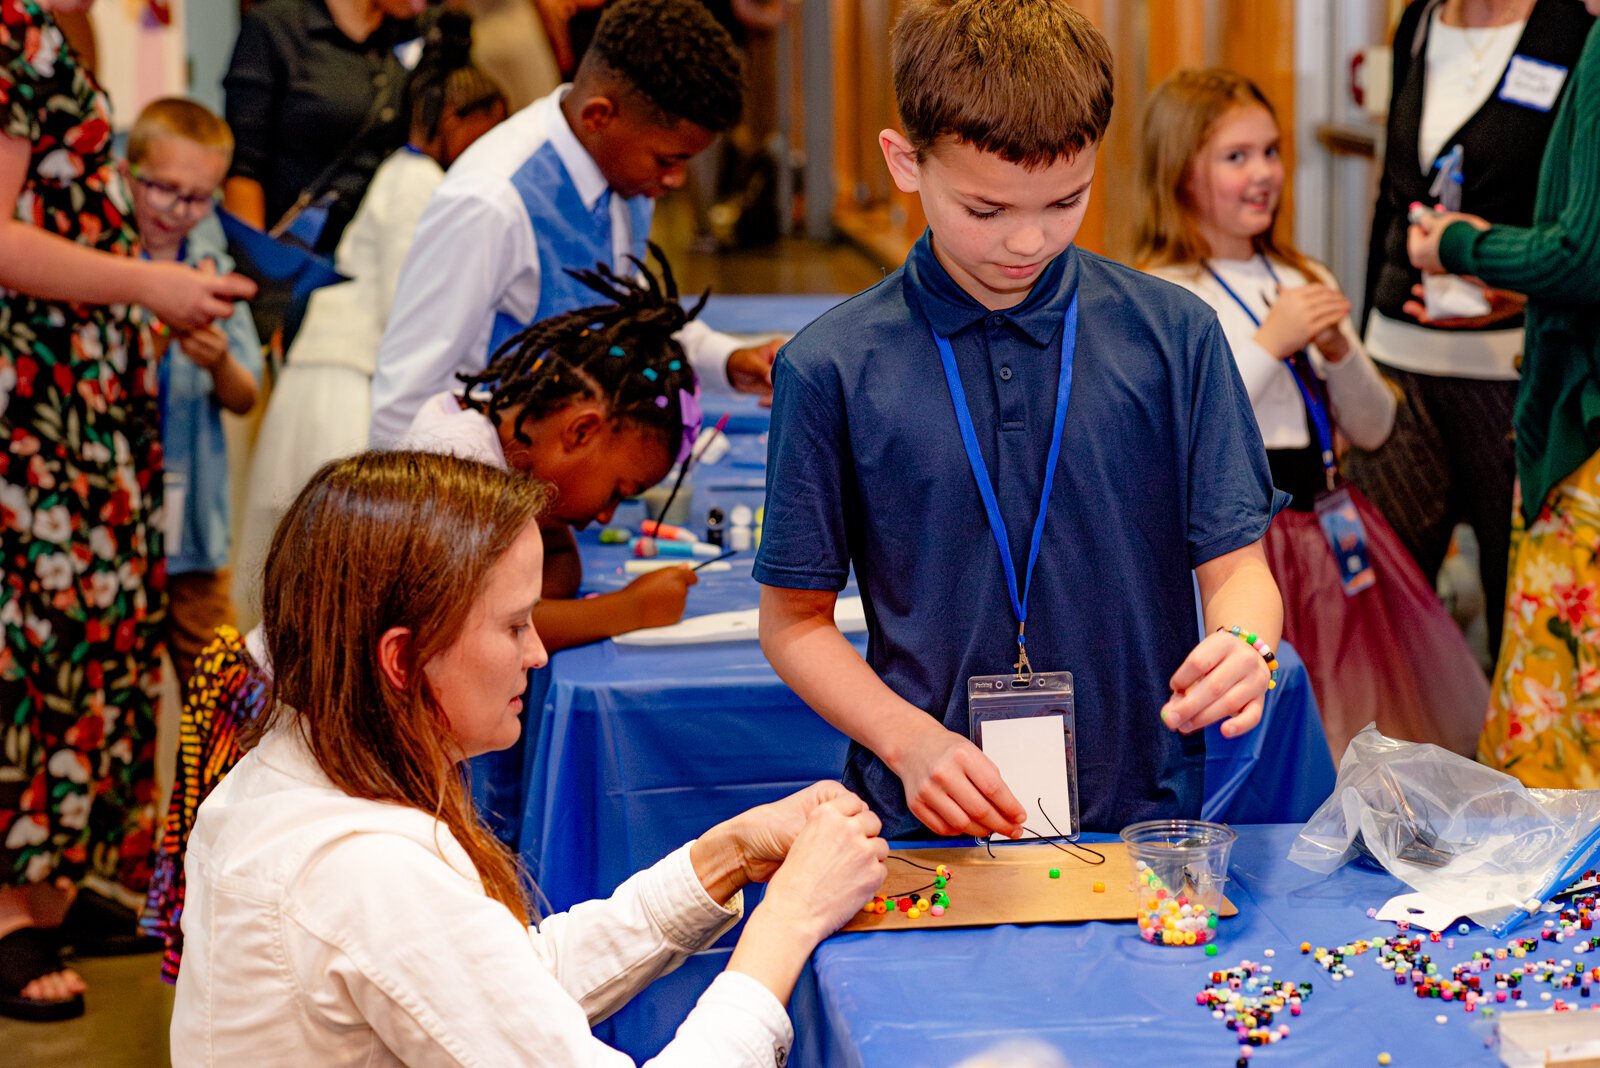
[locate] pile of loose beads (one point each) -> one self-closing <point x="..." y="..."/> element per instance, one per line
<point x="1497" y="976"/>
<point x="1247" y="1003"/>
<point x="1332" y="961"/>
<point x="1170" y="918"/>
<point x="912" y="903"/>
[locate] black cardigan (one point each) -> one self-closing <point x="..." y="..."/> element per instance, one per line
<point x="1503" y="144"/>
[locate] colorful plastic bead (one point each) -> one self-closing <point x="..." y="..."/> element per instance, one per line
<point x="1055" y="873"/>
<point x="1099" y="888"/>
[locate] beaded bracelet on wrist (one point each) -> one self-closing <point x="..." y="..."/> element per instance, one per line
<point x="1261" y="647"/>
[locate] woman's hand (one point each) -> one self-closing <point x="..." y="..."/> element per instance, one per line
<point x="763" y="836"/>
<point x="833" y="867"/>
<point x="1422" y="239"/>
<point x="1503" y="305"/>
<point x="1223" y="678"/>
<point x="1300" y="315"/>
<point x="188" y="299"/>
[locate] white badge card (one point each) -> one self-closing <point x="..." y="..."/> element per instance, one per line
<point x="174" y="490"/>
<point x="1027" y="729"/>
<point x="1532" y="83"/>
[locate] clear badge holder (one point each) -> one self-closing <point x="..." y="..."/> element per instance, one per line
<point x="1025" y="725"/>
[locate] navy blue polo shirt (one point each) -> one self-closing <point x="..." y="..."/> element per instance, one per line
<point x="1161" y="469"/>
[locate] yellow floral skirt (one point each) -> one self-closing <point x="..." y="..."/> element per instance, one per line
<point x="1544" y="707"/>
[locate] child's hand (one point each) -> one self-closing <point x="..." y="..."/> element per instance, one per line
<point x="187" y="299"/>
<point x="750" y="369"/>
<point x="1223" y="678"/>
<point x="1298" y="316"/>
<point x="207" y="347"/>
<point x="1332" y="344"/>
<point x="954" y="789"/>
<point x="657" y="598"/>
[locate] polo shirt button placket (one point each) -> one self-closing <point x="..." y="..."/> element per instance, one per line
<point x="1005" y="374"/>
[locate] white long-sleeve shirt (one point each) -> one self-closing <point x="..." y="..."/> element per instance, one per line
<point x="1363" y="405"/>
<point x="476" y="253"/>
<point x="324" y="929"/>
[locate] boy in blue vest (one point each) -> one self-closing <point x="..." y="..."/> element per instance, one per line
<point x="998" y="331"/>
<point x="567" y="182"/>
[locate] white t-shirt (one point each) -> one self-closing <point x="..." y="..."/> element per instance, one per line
<point x="1363" y="405"/>
<point x="324" y="929"/>
<point x="1463" y="67"/>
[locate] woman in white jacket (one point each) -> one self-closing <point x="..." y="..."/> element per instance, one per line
<point x="346" y="906"/>
<point x="1377" y="643"/>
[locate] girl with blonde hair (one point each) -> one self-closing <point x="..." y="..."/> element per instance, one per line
<point x="1376" y="641"/>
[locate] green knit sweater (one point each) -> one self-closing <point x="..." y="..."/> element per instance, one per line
<point x="1556" y="262"/>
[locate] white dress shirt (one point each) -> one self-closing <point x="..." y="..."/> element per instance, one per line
<point x="1362" y="402"/>
<point x="475" y="253"/>
<point x="324" y="929"/>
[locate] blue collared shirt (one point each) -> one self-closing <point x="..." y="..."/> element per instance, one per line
<point x="1161" y="469"/>
<point x="195" y="450"/>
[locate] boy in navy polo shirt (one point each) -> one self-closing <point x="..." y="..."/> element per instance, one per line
<point x="1161" y="471"/>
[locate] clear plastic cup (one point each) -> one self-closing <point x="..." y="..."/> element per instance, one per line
<point x="1180" y="868"/>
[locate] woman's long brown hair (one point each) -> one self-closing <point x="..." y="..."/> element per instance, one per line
<point x="1178" y="120"/>
<point x="376" y="541"/>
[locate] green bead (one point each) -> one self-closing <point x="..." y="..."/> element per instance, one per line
<point x="1211" y="950"/>
<point x="940" y="882"/>
<point x="1212" y="923"/>
<point x="1251" y="638"/>
<point x="1055" y="873"/>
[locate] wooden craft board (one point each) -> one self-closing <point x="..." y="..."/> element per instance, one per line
<point x="1014" y="887"/>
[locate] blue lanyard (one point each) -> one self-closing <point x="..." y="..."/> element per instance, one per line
<point x="1300" y="369"/>
<point x="980" y="472"/>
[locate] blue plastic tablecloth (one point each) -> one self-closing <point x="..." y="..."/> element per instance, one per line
<point x="1099" y="995"/>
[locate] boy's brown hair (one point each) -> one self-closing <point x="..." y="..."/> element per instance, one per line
<point x="1028" y="80"/>
<point x="175" y="116"/>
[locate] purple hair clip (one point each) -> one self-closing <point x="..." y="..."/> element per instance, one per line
<point x="689" y="409"/>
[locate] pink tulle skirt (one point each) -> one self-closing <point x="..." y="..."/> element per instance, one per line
<point x="1390" y="654"/>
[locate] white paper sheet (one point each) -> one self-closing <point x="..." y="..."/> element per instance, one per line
<point x="1031" y="754"/>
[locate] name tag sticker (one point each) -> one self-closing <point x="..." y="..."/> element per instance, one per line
<point x="1532" y="83"/>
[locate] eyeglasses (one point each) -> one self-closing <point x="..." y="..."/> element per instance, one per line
<point x="166" y="197"/>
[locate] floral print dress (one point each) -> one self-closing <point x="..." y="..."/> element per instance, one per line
<point x="81" y="571"/>
<point x="1544" y="711"/>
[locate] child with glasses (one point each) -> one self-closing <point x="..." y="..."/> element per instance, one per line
<point x="178" y="156"/>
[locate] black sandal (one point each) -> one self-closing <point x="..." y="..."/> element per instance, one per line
<point x="25" y="955"/>
<point x="97" y="926"/>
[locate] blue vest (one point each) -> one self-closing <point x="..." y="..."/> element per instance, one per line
<point x="568" y="235"/>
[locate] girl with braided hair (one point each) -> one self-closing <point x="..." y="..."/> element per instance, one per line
<point x="599" y="402"/>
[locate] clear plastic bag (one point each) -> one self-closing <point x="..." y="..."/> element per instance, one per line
<point x="1452" y="828"/>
